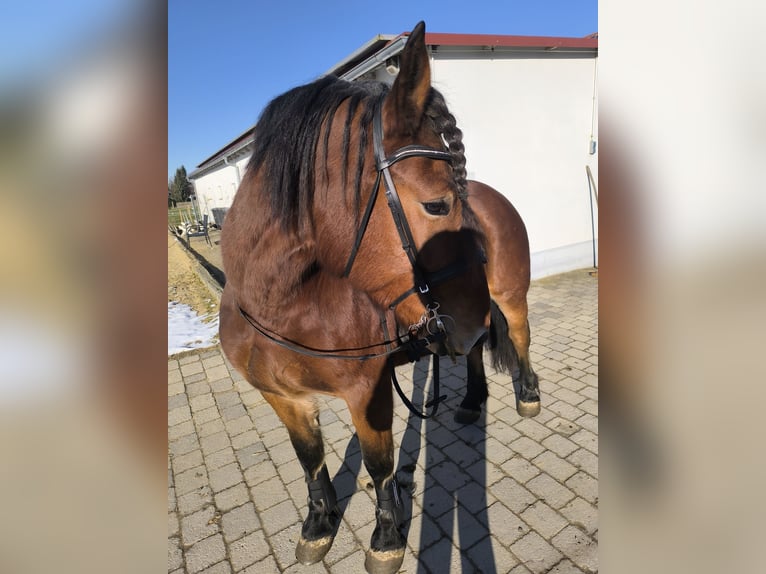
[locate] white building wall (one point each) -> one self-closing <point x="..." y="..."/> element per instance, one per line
<point x="527" y="124"/>
<point x="217" y="188"/>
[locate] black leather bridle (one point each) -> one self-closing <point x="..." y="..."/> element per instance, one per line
<point x="382" y="165"/>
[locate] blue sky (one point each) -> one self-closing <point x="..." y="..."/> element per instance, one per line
<point x="227" y="59"/>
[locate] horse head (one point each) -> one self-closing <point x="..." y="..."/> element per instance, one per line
<point x="415" y="248"/>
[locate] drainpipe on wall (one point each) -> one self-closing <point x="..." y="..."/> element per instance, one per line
<point x="236" y="169"/>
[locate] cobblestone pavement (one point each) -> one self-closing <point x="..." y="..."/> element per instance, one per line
<point x="504" y="495"/>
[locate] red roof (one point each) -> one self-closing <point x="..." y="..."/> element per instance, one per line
<point x="492" y="40"/>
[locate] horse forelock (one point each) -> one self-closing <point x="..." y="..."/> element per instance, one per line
<point x="292" y="145"/>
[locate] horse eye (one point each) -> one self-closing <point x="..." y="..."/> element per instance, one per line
<point x="436" y="207"/>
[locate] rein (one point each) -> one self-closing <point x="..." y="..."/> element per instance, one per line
<point x="414" y="347"/>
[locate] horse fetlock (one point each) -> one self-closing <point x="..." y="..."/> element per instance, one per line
<point x="322" y="492"/>
<point x="320" y="526"/>
<point x="390" y="505"/>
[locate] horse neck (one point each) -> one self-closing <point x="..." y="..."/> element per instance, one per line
<point x="264" y="263"/>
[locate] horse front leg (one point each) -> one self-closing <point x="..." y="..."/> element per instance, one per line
<point x="301" y="418"/>
<point x="372" y="415"/>
<point x="476" y="394"/>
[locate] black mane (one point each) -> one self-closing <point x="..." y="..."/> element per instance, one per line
<point x="287" y="137"/>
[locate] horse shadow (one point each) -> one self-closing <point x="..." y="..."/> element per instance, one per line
<point x="453" y="463"/>
<point x="452" y="476"/>
<point x="453" y="456"/>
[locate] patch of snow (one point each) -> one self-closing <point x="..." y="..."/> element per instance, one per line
<point x="187" y="330"/>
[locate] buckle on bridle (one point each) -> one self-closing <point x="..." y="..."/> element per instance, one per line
<point x="424" y="289"/>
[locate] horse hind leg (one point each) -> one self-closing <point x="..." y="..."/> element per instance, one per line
<point x="476" y="394"/>
<point x="513" y="338"/>
<point x="300" y="416"/>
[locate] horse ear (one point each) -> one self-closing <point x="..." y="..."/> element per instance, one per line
<point x="406" y="101"/>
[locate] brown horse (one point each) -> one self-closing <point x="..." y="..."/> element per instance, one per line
<point x="314" y="281"/>
<point x="507" y="248"/>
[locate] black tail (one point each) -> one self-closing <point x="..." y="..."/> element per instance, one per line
<point x="504" y="357"/>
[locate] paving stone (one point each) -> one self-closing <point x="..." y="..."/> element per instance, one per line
<point x="175" y="554"/>
<point x="550" y="490"/>
<point x="179" y="415"/>
<point x="201" y="402"/>
<point x="217" y="372"/>
<point x="584" y="485"/>
<point x="526" y="447"/>
<point x="220" y="568"/>
<point x="178" y="399"/>
<point x="232" y="497"/>
<point x="173" y="524"/>
<point x="252" y="454"/>
<point x="512" y="494"/>
<point x="535" y="553"/>
<point x="586" y="461"/>
<point x="246" y="439"/>
<point x="221" y="385"/>
<point x="491" y="556"/>
<point x="206" y="415"/>
<point x="560" y="445"/>
<point x="554" y="465"/>
<point x="224" y="477"/>
<point x="212" y="361"/>
<point x="220" y="458"/>
<point x="197" y="526"/>
<point x="191" y="369"/>
<point x="182" y="429"/>
<point x="520" y="469"/>
<point x="352" y="563"/>
<point x="283" y="546"/>
<point x="195" y="500"/>
<point x="209" y="428"/>
<point x="578" y="547"/>
<point x="190" y="480"/>
<point x="268" y="566"/>
<point x="543" y="519"/>
<point x="582" y="515"/>
<point x="183" y="445"/>
<point x="238" y="426"/>
<point x="565" y="567"/>
<point x="279" y="516"/>
<point x="205" y="553"/>
<point x="228" y="398"/>
<point x="215" y="442"/>
<point x="239" y="521"/>
<point x="532" y="429"/>
<point x="562" y="426"/>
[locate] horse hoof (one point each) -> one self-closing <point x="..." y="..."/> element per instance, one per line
<point x="528" y="410"/>
<point x="312" y="551"/>
<point x="464" y="416"/>
<point x="384" y="561"/>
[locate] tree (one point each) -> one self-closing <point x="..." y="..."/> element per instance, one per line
<point x="180" y="188"/>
